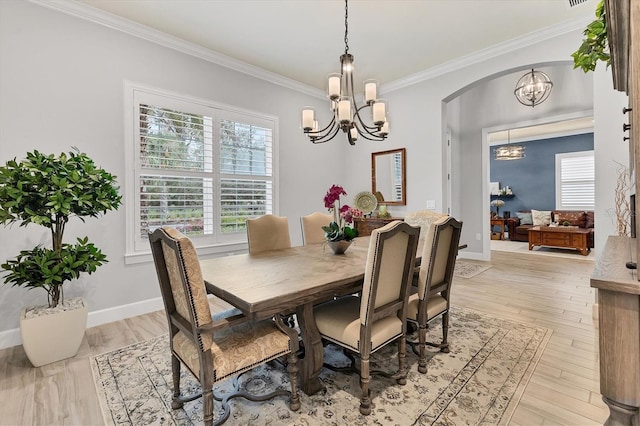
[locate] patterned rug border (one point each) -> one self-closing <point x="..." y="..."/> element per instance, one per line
<point x="468" y="269"/>
<point x="503" y="419"/>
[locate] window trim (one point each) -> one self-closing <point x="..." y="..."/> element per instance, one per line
<point x="558" y="171"/>
<point x="132" y="165"/>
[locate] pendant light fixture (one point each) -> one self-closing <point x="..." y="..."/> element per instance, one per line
<point x="533" y="88"/>
<point x="508" y="151"/>
<point x="347" y="114"/>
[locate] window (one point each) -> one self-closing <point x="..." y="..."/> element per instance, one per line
<point x="397" y="176"/>
<point x="200" y="167"/>
<point x="575" y="181"/>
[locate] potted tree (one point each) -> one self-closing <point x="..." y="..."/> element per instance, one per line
<point x="48" y="190"/>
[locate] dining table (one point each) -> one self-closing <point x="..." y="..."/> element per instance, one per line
<point x="290" y="280"/>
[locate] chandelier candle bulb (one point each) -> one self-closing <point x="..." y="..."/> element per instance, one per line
<point x="384" y="130"/>
<point x="354" y="133"/>
<point x="344" y="110"/>
<point x="307" y="119"/>
<point x="334" y="86"/>
<point x="379" y="112"/>
<point x="370" y="90"/>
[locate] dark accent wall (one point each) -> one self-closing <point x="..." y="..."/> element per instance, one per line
<point x="532" y="179"/>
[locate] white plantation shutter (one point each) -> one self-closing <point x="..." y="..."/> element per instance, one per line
<point x="246" y="172"/>
<point x="199" y="168"/>
<point x="575" y="181"/>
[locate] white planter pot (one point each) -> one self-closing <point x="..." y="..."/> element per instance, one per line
<point x="53" y="336"/>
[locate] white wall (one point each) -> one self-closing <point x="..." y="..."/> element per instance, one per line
<point x="610" y="151"/>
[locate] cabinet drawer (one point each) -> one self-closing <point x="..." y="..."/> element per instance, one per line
<point x="366" y="225"/>
<point x="553" y="239"/>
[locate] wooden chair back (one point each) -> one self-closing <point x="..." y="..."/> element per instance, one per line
<point x="388" y="274"/>
<point x="312" y="232"/>
<point x="268" y="232"/>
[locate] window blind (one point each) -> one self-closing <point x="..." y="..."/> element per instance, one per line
<point x="575" y="188"/>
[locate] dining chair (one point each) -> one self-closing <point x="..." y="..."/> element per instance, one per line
<point x="363" y="324"/>
<point x="213" y="348"/>
<point x="268" y="232"/>
<point x="423" y="218"/>
<point x="312" y="232"/>
<point x="432" y="298"/>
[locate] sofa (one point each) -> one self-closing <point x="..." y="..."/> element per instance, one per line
<point x="519" y="225"/>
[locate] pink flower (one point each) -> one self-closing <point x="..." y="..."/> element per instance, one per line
<point x="333" y="195"/>
<point x="349" y="213"/>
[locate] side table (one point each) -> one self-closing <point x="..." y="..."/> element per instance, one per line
<point x="498" y="226"/>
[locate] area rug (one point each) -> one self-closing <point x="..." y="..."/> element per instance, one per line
<point x="480" y="381"/>
<point x="468" y="269"/>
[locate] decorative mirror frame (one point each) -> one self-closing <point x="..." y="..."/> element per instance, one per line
<point x="403" y="155"/>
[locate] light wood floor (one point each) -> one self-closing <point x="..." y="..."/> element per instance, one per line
<point x="548" y="291"/>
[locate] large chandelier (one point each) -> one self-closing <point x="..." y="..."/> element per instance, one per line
<point x="508" y="151"/>
<point x="533" y="88"/>
<point x="347" y="114"/>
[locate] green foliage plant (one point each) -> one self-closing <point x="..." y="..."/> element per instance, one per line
<point x="47" y="190"/>
<point x="595" y="46"/>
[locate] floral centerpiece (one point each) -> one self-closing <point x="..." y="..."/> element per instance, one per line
<point x="338" y="229"/>
<point x="497" y="204"/>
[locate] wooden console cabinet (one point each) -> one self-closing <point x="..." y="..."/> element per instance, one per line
<point x="365" y="225"/>
<point x="619" y="330"/>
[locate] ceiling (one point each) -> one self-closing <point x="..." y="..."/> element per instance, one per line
<point x="543" y="131"/>
<point x="390" y="39"/>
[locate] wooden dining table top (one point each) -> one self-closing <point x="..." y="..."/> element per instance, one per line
<point x="266" y="283"/>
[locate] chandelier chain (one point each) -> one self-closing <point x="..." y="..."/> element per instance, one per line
<point x="346" y="27"/>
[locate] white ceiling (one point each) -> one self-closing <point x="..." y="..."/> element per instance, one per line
<point x="390" y="39"/>
<point x="543" y="131"/>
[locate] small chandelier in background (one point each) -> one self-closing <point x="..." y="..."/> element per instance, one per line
<point x="533" y="88"/>
<point x="347" y="114"/>
<point x="508" y="151"/>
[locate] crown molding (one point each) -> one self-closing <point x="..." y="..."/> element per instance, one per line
<point x="135" y="29"/>
<point x="489" y="53"/>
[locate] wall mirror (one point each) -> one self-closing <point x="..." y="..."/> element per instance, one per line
<point x="388" y="176"/>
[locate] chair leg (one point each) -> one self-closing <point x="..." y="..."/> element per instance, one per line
<point x="365" y="377"/>
<point x="422" y="344"/>
<point x="444" y="347"/>
<point x="292" y="369"/>
<point x="175" y="369"/>
<point x="207" y="406"/>
<point x="402" y="353"/>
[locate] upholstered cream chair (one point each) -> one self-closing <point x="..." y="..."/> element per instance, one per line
<point x="423" y="218"/>
<point x="368" y="322"/>
<point x="268" y="232"/>
<point x="434" y="283"/>
<point x="312" y="224"/>
<point x="212" y="349"/>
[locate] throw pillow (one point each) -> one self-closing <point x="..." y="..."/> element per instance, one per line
<point x="574" y="218"/>
<point x="541" y="217"/>
<point x="525" y="218"/>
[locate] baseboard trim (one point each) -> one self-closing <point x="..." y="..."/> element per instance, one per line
<point x="9" y="338"/>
